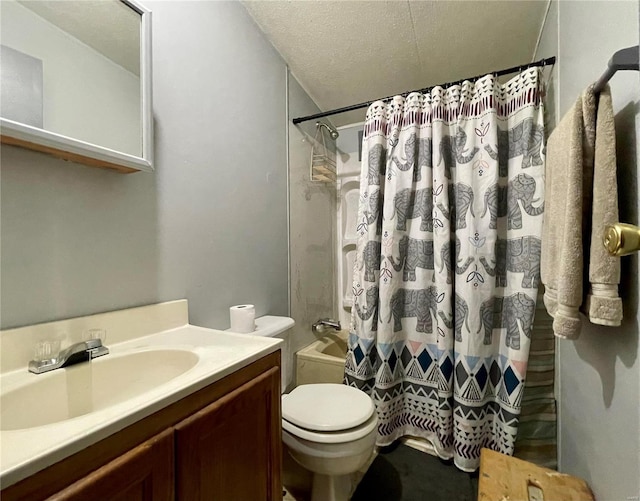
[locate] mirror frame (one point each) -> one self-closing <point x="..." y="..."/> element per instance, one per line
<point x="75" y="150"/>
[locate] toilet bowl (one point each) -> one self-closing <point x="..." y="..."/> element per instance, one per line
<point x="329" y="429"/>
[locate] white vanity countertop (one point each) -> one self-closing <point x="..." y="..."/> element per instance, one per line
<point x="213" y="354"/>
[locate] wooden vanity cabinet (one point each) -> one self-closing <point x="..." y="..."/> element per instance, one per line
<point x="228" y="449"/>
<point x="223" y="442"/>
<point x="145" y="473"/>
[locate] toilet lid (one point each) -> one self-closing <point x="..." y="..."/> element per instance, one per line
<point x="327" y="407"/>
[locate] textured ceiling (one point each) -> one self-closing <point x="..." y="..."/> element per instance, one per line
<point x="109" y="27"/>
<point x="347" y="52"/>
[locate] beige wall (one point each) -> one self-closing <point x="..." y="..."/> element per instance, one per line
<point x="599" y="374"/>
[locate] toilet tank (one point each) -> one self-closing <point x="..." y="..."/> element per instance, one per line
<point x="278" y="327"/>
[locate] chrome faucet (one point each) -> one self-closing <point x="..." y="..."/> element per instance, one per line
<point x="74" y="354"/>
<point x="323" y="323"/>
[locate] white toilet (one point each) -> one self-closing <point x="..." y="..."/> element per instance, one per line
<point x="329" y="429"/>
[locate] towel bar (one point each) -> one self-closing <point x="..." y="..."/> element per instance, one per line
<point x="624" y="59"/>
<point x="621" y="239"/>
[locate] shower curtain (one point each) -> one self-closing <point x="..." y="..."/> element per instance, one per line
<point x="447" y="266"/>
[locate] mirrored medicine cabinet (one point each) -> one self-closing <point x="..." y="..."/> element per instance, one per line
<point x="75" y="81"/>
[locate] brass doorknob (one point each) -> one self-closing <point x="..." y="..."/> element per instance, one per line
<point x="621" y="239"/>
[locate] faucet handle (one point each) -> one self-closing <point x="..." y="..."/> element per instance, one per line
<point x="95" y="348"/>
<point x="93" y="343"/>
<point x="47" y="349"/>
<point x="91" y="334"/>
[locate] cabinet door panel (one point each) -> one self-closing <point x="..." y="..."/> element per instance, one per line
<point x="231" y="450"/>
<point x="145" y="473"/>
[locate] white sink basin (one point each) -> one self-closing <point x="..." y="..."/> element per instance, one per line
<point x="87" y="387"/>
<point x="47" y="417"/>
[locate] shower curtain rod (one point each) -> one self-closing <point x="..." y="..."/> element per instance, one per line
<point x="542" y="62"/>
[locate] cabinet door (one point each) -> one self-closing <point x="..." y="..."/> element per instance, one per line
<point x="142" y="474"/>
<point x="231" y="450"/>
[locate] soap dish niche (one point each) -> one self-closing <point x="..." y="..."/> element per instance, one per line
<point x="350" y="198"/>
<point x="348" y="245"/>
<point x="349" y="258"/>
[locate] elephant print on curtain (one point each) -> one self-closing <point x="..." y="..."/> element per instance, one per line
<point x="499" y="312"/>
<point x="377" y="158"/>
<point x="370" y="260"/>
<point x="453" y="151"/>
<point x="452" y="261"/>
<point x="370" y="308"/>
<point x="410" y="204"/>
<point x="415" y="148"/>
<point x="460" y="317"/>
<point x="372" y="215"/>
<point x="461" y="196"/>
<point x="413" y="254"/>
<point x="520" y="255"/>
<point x="503" y="201"/>
<point x="419" y="303"/>
<point x="524" y="139"/>
<point x="446" y="269"/>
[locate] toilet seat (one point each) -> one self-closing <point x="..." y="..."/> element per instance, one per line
<point x="327" y="407"/>
<point x="332" y="437"/>
<point x="328" y="413"/>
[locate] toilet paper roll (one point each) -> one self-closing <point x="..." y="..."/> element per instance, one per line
<point x="242" y="317"/>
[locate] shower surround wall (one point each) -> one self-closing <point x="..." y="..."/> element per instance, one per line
<point x="599" y="373"/>
<point x="348" y="168"/>
<point x="311" y="225"/>
<point x="209" y="225"/>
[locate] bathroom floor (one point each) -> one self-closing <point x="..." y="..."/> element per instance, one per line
<point x="401" y="473"/>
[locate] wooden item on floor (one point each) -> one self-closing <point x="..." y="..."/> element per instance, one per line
<point x="507" y="478"/>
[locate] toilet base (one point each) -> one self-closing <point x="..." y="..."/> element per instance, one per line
<point x="331" y="487"/>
